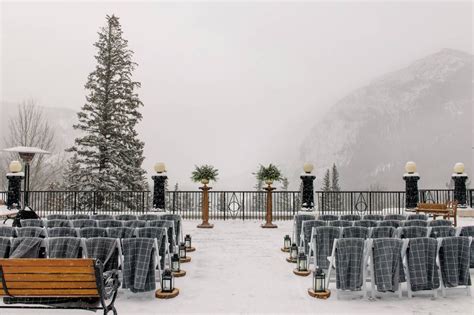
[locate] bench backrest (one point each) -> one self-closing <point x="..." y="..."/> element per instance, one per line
<point x="48" y="277"/>
<point x="437" y="206"/>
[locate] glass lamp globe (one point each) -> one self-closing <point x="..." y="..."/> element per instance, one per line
<point x="160" y="167"/>
<point x="410" y="167"/>
<point x="459" y="168"/>
<point x="308" y="167"/>
<point x="15" y="166"/>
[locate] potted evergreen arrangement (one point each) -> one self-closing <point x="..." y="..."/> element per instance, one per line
<point x="269" y="174"/>
<point x="204" y="174"/>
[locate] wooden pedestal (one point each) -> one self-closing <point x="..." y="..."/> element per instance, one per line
<point x="291" y="260"/>
<point x="205" y="226"/>
<point x="190" y="249"/>
<point x="301" y="273"/>
<point x="166" y="295"/>
<point x="285" y="250"/>
<point x="269" y="226"/>
<point x="179" y="274"/>
<point x="185" y="260"/>
<point x="320" y="295"/>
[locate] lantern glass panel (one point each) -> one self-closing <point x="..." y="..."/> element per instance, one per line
<point x="182" y="250"/>
<point x="293" y="251"/>
<point x="302" y="262"/>
<point x="187" y="241"/>
<point x="287" y="242"/>
<point x="319" y="281"/>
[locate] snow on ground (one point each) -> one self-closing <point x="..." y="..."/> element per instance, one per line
<point x="238" y="268"/>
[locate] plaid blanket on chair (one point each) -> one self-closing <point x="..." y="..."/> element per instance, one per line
<point x="120" y="232"/>
<point x="79" y="216"/>
<point x="421" y="223"/>
<point x="307" y="229"/>
<point x="148" y="217"/>
<point x="421" y="260"/>
<point x="88" y="232"/>
<point x="383" y="232"/>
<point x="355" y="232"/>
<point x="469" y="231"/>
<point x="394" y="223"/>
<point x="102" y="217"/>
<point x="324" y="237"/>
<point x="413" y="232"/>
<point x="64" y="247"/>
<point x="350" y="217"/>
<point x="349" y="263"/>
<point x="373" y="217"/>
<point x="138" y="268"/>
<point x="177" y="224"/>
<point x="31" y="222"/>
<point x="58" y="223"/>
<point x="298" y="222"/>
<point x="328" y="217"/>
<point x="26" y="247"/>
<point x="126" y="217"/>
<point x="442" y="231"/>
<point x="31" y="231"/>
<point x="366" y="223"/>
<point x="387" y="259"/>
<point x="454" y="261"/>
<point x="7" y="231"/>
<point x="82" y="223"/>
<point x="134" y="223"/>
<point x="62" y="232"/>
<point x="109" y="223"/>
<point x="340" y="223"/>
<point x="5" y="245"/>
<point x="169" y="225"/>
<point x="159" y="234"/>
<point x="105" y="250"/>
<point x="57" y="217"/>
<point x="395" y="217"/>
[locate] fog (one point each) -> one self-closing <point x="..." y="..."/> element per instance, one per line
<point x="227" y="84"/>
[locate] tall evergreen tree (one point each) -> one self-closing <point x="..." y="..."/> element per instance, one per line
<point x="326" y="197"/>
<point x="109" y="153"/>
<point x="335" y="179"/>
<point x="326" y="181"/>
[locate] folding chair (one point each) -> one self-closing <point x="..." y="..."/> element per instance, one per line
<point x="415" y="222"/>
<point x="79" y="216"/>
<point x="7" y="231"/>
<point x="383" y="232"/>
<point x="418" y="216"/>
<point x="88" y="232"/>
<point x="169" y="225"/>
<point x="126" y="217"/>
<point x="56" y="217"/>
<point x="322" y="239"/>
<point x="413" y="232"/>
<point x="442" y="231"/>
<point x="121" y="232"/>
<point x="109" y="223"/>
<point x="355" y="232"/>
<point x="440" y="223"/>
<point x="134" y="223"/>
<point x="62" y="247"/>
<point x="31" y="231"/>
<point x="366" y="223"/>
<point x="306" y="231"/>
<point x="99" y="217"/>
<point x="340" y="223"/>
<point x="104" y="248"/>
<point x="82" y="223"/>
<point x="328" y="217"/>
<point x="395" y="217"/>
<point x="373" y="217"/>
<point x="161" y="235"/>
<point x="393" y="223"/>
<point x="31" y="222"/>
<point x="61" y="232"/>
<point x="148" y="217"/>
<point x="58" y="223"/>
<point x="178" y="227"/>
<point x="467" y="231"/>
<point x="350" y="217"/>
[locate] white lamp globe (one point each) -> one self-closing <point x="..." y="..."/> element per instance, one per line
<point x="15" y="166"/>
<point x="410" y="167"/>
<point x="459" y="168"/>
<point x="160" y="167"/>
<point x="308" y="167"/>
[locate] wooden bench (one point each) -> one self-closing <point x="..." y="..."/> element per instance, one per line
<point x="445" y="210"/>
<point x="42" y="279"/>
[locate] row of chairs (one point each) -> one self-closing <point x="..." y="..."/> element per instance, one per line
<point x="121" y="217"/>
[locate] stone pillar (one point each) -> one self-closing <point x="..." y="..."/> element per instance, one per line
<point x="460" y="189"/>
<point x="14" y="189"/>
<point x="411" y="189"/>
<point x="307" y="199"/>
<point x="159" y="191"/>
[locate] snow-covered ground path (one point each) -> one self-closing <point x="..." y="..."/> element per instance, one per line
<point x="238" y="268"/>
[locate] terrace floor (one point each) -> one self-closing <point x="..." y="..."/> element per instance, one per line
<point x="239" y="268"/>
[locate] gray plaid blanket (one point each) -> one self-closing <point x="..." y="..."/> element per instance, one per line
<point x="421" y="259"/>
<point x="5" y="244"/>
<point x="298" y="220"/>
<point x="383" y="232"/>
<point x="126" y="217"/>
<point x="102" y="217"/>
<point x="31" y="231"/>
<point x="88" y="232"/>
<point x="148" y="217"/>
<point x="120" y="232"/>
<point x="395" y="217"/>
<point x="62" y="232"/>
<point x="156" y="233"/>
<point x="340" y="223"/>
<point x="387" y="263"/>
<point x="373" y="217"/>
<point x="105" y="250"/>
<point x="169" y="225"/>
<point x="454" y="261"/>
<point x="177" y="224"/>
<point x="328" y="217"/>
<point x="64" y="247"/>
<point x="82" y="223"/>
<point x="422" y="223"/>
<point x="79" y="216"/>
<point x="355" y="232"/>
<point x="138" y="267"/>
<point x="366" y="223"/>
<point x="324" y="237"/>
<point x="413" y="232"/>
<point x="469" y="231"/>
<point x="440" y="223"/>
<point x="394" y="223"/>
<point x="110" y="223"/>
<point x="58" y="223"/>
<point x="26" y="247"/>
<point x="134" y="223"/>
<point x="442" y="231"/>
<point x="57" y="217"/>
<point x="7" y="231"/>
<point x="349" y="263"/>
<point x="418" y="216"/>
<point x="307" y="229"/>
<point x="31" y="222"/>
<point x="350" y="217"/>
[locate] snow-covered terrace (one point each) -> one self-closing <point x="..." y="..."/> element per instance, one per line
<point x="239" y="268"/>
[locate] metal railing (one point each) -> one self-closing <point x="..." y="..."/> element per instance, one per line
<point x="225" y="205"/>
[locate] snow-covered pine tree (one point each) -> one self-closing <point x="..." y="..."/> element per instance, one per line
<point x="337" y="198"/>
<point x="71" y="175"/>
<point x="326" y="197"/>
<point x="108" y="152"/>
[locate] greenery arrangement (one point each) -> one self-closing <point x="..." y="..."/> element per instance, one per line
<point x="204" y="172"/>
<point x="269" y="173"/>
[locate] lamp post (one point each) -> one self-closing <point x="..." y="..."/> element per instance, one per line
<point x="411" y="178"/>
<point x="205" y="205"/>
<point x="460" y="178"/>
<point x="269" y="215"/>
<point x="159" y="181"/>
<point x="14" y="177"/>
<point x="308" y="188"/>
<point x="27" y="155"/>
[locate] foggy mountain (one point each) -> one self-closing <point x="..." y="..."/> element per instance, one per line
<point x="421" y="113"/>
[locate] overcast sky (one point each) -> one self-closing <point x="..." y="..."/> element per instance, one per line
<point x="230" y="84"/>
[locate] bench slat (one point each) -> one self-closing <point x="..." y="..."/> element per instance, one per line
<point x="47" y="270"/>
<point x="50" y="285"/>
<point x="47" y="262"/>
<point x="48" y="277"/>
<point x="52" y="292"/>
